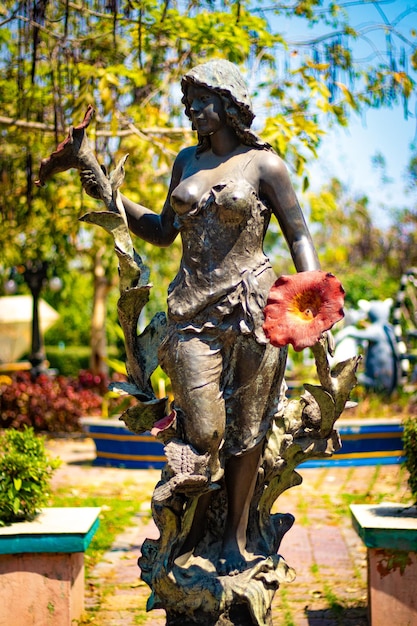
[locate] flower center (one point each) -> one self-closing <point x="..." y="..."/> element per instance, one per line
<point x="306" y="305"/>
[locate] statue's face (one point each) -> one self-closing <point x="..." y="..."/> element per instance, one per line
<point x="206" y="108"/>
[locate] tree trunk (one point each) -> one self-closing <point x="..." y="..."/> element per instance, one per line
<point x="98" y="342"/>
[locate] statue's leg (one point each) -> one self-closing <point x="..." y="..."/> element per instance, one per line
<point x="195" y="368"/>
<point x="197" y="529"/>
<point x="255" y="375"/>
<point x="240" y="475"/>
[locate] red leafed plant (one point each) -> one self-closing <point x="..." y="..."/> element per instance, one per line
<point x="49" y="403"/>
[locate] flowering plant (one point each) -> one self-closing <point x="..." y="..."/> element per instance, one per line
<point x="301" y="307"/>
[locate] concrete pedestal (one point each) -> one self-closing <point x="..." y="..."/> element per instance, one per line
<point x="42" y="567"/>
<point x="389" y="531"/>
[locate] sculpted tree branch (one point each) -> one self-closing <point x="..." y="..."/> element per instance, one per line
<point x="76" y="152"/>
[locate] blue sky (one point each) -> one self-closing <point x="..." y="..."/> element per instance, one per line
<point x="346" y="153"/>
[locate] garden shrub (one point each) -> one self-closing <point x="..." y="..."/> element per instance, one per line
<point x="49" y="403"/>
<point x="70" y="360"/>
<point x="25" y="475"/>
<point x="410" y="451"/>
<point x="55" y="403"/>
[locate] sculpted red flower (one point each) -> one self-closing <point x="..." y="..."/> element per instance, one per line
<point x="301" y="307"/>
<point x="164" y="423"/>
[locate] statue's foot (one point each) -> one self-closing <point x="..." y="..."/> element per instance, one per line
<point x="231" y="562"/>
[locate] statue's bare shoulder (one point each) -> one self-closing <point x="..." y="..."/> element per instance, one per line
<point x="272" y="168"/>
<point x="183" y="158"/>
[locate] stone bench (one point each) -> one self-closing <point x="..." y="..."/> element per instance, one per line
<point x="389" y="531"/>
<point x="42" y="567"/>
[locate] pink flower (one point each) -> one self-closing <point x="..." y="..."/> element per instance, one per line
<point x="301" y="307"/>
<point x="164" y="423"/>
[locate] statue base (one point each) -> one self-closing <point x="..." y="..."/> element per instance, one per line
<point x="195" y="595"/>
<point x="237" y="615"/>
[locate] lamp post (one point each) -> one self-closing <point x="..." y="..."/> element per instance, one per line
<point x="35" y="276"/>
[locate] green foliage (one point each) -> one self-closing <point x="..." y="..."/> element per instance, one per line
<point x="410" y="451"/>
<point x="355" y="249"/>
<point x="402" y="235"/>
<point x="126" y="58"/>
<point x="73" y="328"/>
<point x="74" y="305"/>
<point x="412" y="172"/>
<point x="366" y="280"/>
<point x="68" y="360"/>
<point x="25" y="474"/>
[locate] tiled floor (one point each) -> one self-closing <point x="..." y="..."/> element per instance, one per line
<point x="323" y="548"/>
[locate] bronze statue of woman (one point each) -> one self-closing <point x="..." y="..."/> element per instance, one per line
<point x="225" y="374"/>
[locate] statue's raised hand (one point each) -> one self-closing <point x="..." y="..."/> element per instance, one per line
<point x="90" y="184"/>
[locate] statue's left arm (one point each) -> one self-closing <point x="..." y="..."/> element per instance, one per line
<point x="278" y="193"/>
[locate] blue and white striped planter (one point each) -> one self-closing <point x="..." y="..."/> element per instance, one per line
<point x="117" y="446"/>
<point x="364" y="442"/>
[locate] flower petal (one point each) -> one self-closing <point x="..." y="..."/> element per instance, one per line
<point x="163" y="423"/>
<point x="301" y="307"/>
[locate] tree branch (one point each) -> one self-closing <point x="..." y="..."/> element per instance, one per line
<point x="131" y="130"/>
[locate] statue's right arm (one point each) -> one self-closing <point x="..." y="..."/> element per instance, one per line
<point x="158" y="229"/>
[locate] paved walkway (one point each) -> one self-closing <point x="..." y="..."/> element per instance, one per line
<point x="329" y="558"/>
